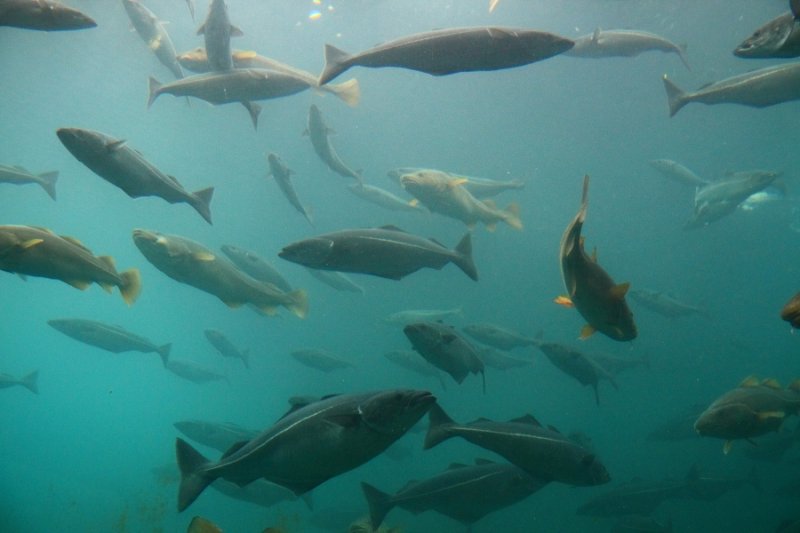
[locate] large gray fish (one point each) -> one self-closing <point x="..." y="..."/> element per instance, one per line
<point x="320" y="359"/>
<point x="114" y="161"/>
<point x="578" y="365"/>
<point x="465" y="493"/>
<point x="542" y="452"/>
<point x="383" y="198"/>
<point x="32" y="251"/>
<point x="780" y="37"/>
<point x="481" y="188"/>
<point x="319" y="133"/>
<point x="283" y="177"/>
<point x="217" y="31"/>
<point x="29" y="381"/>
<point x="255" y="267"/>
<point x="153" y="33"/>
<point x="448" y="51"/>
<point x="412" y="361"/>
<point x="20" y="176"/>
<point x="723" y="197"/>
<point x="336" y="280"/>
<point x="226" y="348"/>
<point x="677" y="172"/>
<point x="599" y="300"/>
<point x="623" y="43"/>
<point x="189" y="262"/>
<point x="664" y="304"/>
<point x="197" y="61"/>
<point x="44" y="15"/>
<point x="114" y="339"/>
<point x="218" y="435"/>
<point x="409" y="316"/>
<point x="191" y="371"/>
<point x="758" y="88"/>
<point x="386" y="252"/>
<point x="637" y="497"/>
<point x="497" y="336"/>
<point x="309" y="445"/>
<point x="444" y="348"/>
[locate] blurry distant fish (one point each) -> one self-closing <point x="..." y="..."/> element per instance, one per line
<point x="255" y="267"/>
<point x="260" y="492"/>
<point x="194" y="372"/>
<point x="452" y="50"/>
<point x="319" y="133"/>
<point x="707" y="487"/>
<point x="283" y="177"/>
<point x="320" y="359"/>
<point x="382" y="197"/>
<point x="578" y="365"/>
<point x="636" y="497"/>
<point x="386" y="252"/>
<point x="616" y="364"/>
<point x="664" y="304"/>
<point x="218" y="435"/>
<point x="29" y="381"/>
<point x="497" y="336"/>
<point x="444" y="348"/>
<point x="410" y="316"/>
<point x="217" y="31"/>
<point x="412" y="361"/>
<point x="45" y="15"/>
<point x="115" y="339"/>
<point x="190" y="5"/>
<point x="152" y="31"/>
<point x="189" y="262"/>
<point x="791" y="311"/>
<point x="32" y="251"/>
<point x="500" y="360"/>
<point x="202" y="525"/>
<point x="679" y="427"/>
<point x="623" y="43"/>
<point x="758" y="88"/>
<point x="126" y="168"/>
<point x="774" y="447"/>
<point x="720" y="198"/>
<point x="640" y="524"/>
<point x="780" y="37"/>
<point x="599" y="300"/>
<point x="336" y="280"/>
<point x="481" y="188"/>
<point x="20" y="176"/>
<point x="677" y="172"/>
<point x="226" y="348"/>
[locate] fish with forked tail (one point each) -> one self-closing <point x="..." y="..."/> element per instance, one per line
<point x="20" y="176"/>
<point x="319" y="133"/>
<point x="29" y="381"/>
<point x="444" y="348"/>
<point x="153" y="33"/>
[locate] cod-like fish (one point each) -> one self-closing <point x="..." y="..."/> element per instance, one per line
<point x="43" y="15"/>
<point x="283" y="177"/>
<point x="260" y="492"/>
<point x="677" y="172"/>
<point x="114" y="161"/>
<point x="664" y="304"/>
<point x="599" y="300"/>
<point x="319" y="133"/>
<point x="623" y="43"/>
<point x="226" y="348"/>
<point x="29" y="381"/>
<point x="320" y="359"/>
<point x="386" y="252"/>
<point x="310" y="444"/>
<point x="780" y="37"/>
<point x="721" y="198"/>
<point x="791" y="311"/>
<point x="441" y="193"/>
<point x="21" y="176"/>
<point x="444" y="348"/>
<point x="577" y="364"/>
<point x="499" y="359"/>
<point x="409" y="316"/>
<point x="497" y="336"/>
<point x="189" y="262"/>
<point x="336" y="280"/>
<point x="255" y="267"/>
<point x="411" y="360"/>
<point x="191" y="371"/>
<point x="382" y="197"/>
<point x="217" y="435"/>
<point x="481" y="188"/>
<point x="758" y="88"/>
<point x="153" y="33"/>
<point x="448" y="51"/>
<point x="114" y="339"/>
<point x="217" y="31"/>
<point x="33" y="251"/>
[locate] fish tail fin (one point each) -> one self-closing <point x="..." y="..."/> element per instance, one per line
<point x="308" y="213"/>
<point x="676" y="97"/>
<point x="254" y="110"/>
<point x="246" y="358"/>
<point x="202" y="202"/>
<point x="379" y="504"/>
<point x="48" y="183"/>
<point x="131" y="285"/>
<point x="336" y="62"/>
<point x="439" y="423"/>
<point x="154" y="89"/>
<point x="682" y="54"/>
<point x="463" y="259"/>
<point x="194" y="479"/>
<point x="299" y="303"/>
<point x="163" y="351"/>
<point x="30" y="381"/>
<point x="348" y="92"/>
<point x="512" y="216"/>
<point x="308" y="499"/>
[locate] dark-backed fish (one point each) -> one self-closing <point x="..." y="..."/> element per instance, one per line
<point x="319" y="133"/>
<point x="636" y="497"/>
<point x="721" y="198"/>
<point x="579" y="365"/>
<point x="226" y="348"/>
<point x="320" y="359"/>
<point x="256" y="267"/>
<point x="114" y="339"/>
<point x="44" y="15"/>
<point x="191" y="371"/>
<point x="153" y="33"/>
<point x="336" y="280"/>
<point x="21" y="176"/>
<point x="217" y="31"/>
<point x="283" y="177"/>
<point x="498" y="336"/>
<point x="780" y="37"/>
<point x="663" y="303"/>
<point x="444" y="348"/>
<point x="623" y="43"/>
<point x="29" y="381"/>
<point x="217" y="435"/>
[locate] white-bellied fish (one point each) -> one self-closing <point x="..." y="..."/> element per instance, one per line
<point x="29" y="381"/>
<point x="444" y="348"/>
<point x="409" y="316"/>
<point x="721" y="198"/>
<point x="780" y="37"/>
<point x="623" y="43"/>
<point x="383" y="198"/>
<point x="319" y="133"/>
<point x="114" y="339"/>
<point x="256" y="267"/>
<point x="283" y="177"/>
<point x="153" y="33"/>
<point x="677" y="172"/>
<point x="43" y="15"/>
<point x="217" y="31"/>
<point x="226" y="348"/>
<point x="20" y="176"/>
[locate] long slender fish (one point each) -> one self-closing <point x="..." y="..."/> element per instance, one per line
<point x="383" y="198"/>
<point x="126" y="168"/>
<point x="449" y="51"/>
<point x="21" y="176"/>
<point x="217" y="31"/>
<point x="255" y="266"/>
<point x="479" y="187"/>
<point x="283" y="177"/>
<point x="623" y="43"/>
<point x="319" y="133"/>
<point x="44" y="15"/>
<point x="336" y="280"/>
<point x="780" y="37"/>
<point x="152" y="31"/>
<point x="226" y="348"/>
<point x="191" y="371"/>
<point x="677" y="172"/>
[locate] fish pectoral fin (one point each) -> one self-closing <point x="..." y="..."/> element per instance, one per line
<point x="30" y="243"/>
<point x="766" y="415"/>
<point x="269" y="310"/>
<point x="566" y="301"/>
<point x="457" y="182"/>
<point x="587" y="331"/>
<point x="413" y="203"/>
<point x="726" y="448"/>
<point x="78" y="283"/>
<point x="771" y="383"/>
<point x="203" y="256"/>
<point x="619" y="291"/>
<point x="108" y="287"/>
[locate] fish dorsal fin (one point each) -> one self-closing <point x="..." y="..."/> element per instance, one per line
<point x="620" y="290"/>
<point x="750" y="381"/>
<point x="479" y="461"/>
<point x="390" y="227"/>
<point x="233" y="449"/>
<point x="526" y="419"/>
<point x="173" y="179"/>
<point x="771" y="383"/>
<point x="327" y="396"/>
<point x="236" y="32"/>
<point x="76" y="242"/>
<point x="454" y="466"/>
<point x="587" y="331"/>
<point x="481" y="419"/>
<point x="113" y="146"/>
<point x="553" y="429"/>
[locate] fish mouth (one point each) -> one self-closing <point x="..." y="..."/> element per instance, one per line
<point x="421" y="399"/>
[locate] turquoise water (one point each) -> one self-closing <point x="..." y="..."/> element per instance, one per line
<point x="79" y="456"/>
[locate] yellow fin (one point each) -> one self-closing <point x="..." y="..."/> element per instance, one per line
<point x="512" y="216"/>
<point x="203" y="256"/>
<point x="564" y="300"/>
<point x="108" y="261"/>
<point x="456" y="182"/>
<point x="766" y="415"/>
<point x="619" y="291"/>
<point x="233" y="305"/>
<point x="245" y="54"/>
<point x="131" y="285"/>
<point x="269" y="310"/>
<point x="106" y="287"/>
<point x="79" y="283"/>
<point x="587" y="331"/>
<point x="750" y="381"/>
<point x="413" y="203"/>
<point x="31" y="243"/>
<point x="726" y="448"/>
<point x="771" y="383"/>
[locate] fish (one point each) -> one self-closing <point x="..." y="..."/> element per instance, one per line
<point x="218" y="435"/>
<point x="320" y="359"/>
<point x="579" y="365"/>
<point x="465" y="493"/>
<point x="442" y="194"/>
<point x="452" y="50"/>
<point x="599" y="300"/>
<point x="710" y="488"/>
<point x="387" y="252"/>
<point x="753" y="408"/>
<point x="623" y="43"/>
<point x="664" y="304"/>
<point x="348" y="92"/>
<point x="778" y="38"/>
<point x="500" y="360"/>
<point x="124" y="167"/>
<point x="190" y="262"/>
<point x="637" y="497"/>
<point x="774" y="446"/>
<point x="409" y="316"/>
<point x="226" y="348"/>
<point x="217" y="31"/>
<point x="319" y="133"/>
<point x="382" y="198"/>
<point x="336" y="280"/>
<point x="21" y="176"/>
<point x="153" y="33"/>
<point x="640" y="524"/>
<point x="260" y="492"/>
<point x="34" y="251"/>
<point x="480" y="188"/>
<point x="615" y="364"/>
<point x="309" y="445"/>
<point x="283" y="177"/>
<point x="114" y="339"/>
<point x="43" y="15"/>
<point x="791" y="311"/>
<point x="758" y="88"/>
<point x="256" y="267"/>
<point x="542" y="452"/>
<point x="190" y="5"/>
<point x="678" y="427"/>
<point x="202" y="525"/>
<point x="497" y="336"/>
<point x="720" y="198"/>
<point x="29" y="381"/>
<point x="444" y="348"/>
<point x="677" y="172"/>
<point x="412" y="361"/>
<point x="191" y="371"/>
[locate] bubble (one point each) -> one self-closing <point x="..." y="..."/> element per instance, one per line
<point x="314" y="15"/>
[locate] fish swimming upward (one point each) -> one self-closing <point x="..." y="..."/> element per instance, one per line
<point x="590" y="289"/>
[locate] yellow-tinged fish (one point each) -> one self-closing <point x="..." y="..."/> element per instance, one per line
<point x="33" y="251"/>
<point x="791" y="311"/>
<point x="203" y="525"/>
<point x="590" y="289"/>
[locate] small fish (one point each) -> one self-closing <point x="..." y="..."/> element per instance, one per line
<point x="336" y="280"/>
<point x="780" y="37"/>
<point x="226" y="348"/>
<point x="153" y="33"/>
<point x="382" y="197"/>
<point x="20" y="176"/>
<point x="320" y="359"/>
<point x="497" y="336"/>
<point x="623" y="43"/>
<point x="193" y="372"/>
<point x="29" y="381"/>
<point x="579" y="365"/>
<point x="444" y="348"/>
<point x="256" y="267"/>
<point x="319" y="133"/>
<point x="217" y="31"/>
<point x="664" y="304"/>
<point x="409" y="316"/>
<point x="721" y="198"/>
<point x="677" y="172"/>
<point x="283" y="177"/>
<point x="43" y="15"/>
